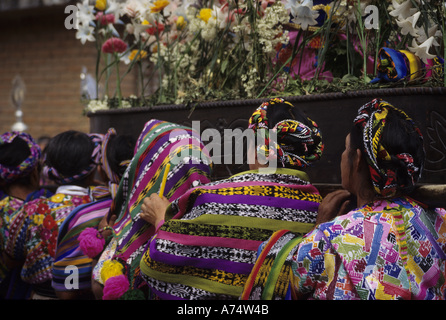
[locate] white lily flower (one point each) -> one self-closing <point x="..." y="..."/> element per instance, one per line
<point x="291" y="5"/>
<point x="408" y="25"/>
<point x="85" y="33"/>
<point x="303" y="13"/>
<point x="422" y="50"/>
<point x="113" y="8"/>
<point x="133" y="8"/>
<point x="431" y="32"/>
<point x="401" y="11"/>
<point x="85" y="14"/>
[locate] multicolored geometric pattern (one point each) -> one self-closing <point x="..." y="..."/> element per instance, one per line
<point x="68" y="252"/>
<point x="208" y="248"/>
<point x="386" y="250"/>
<point x="33" y="234"/>
<point x="372" y="118"/>
<point x="159" y="143"/>
<point x="285" y="153"/>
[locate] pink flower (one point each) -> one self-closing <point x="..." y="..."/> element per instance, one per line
<point x="113" y="45"/>
<point x="105" y="19"/>
<point x="115" y="287"/>
<point x="90" y="242"/>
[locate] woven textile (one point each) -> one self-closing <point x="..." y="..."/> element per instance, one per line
<point x="297" y="145"/>
<point x="209" y="247"/>
<point x="14" y="287"/>
<point x="159" y="143"/>
<point x="33" y="233"/>
<point x="270" y="276"/>
<point x="386" y="250"/>
<point x="68" y="252"/>
<point x="372" y="118"/>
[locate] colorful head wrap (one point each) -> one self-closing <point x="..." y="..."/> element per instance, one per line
<point x="292" y="135"/>
<point x="372" y="118"/>
<point x="10" y="174"/>
<point x="56" y="176"/>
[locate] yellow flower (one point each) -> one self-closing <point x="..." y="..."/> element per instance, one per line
<point x="205" y="14"/>
<point x="181" y="23"/>
<point x="101" y="4"/>
<point x="138" y="56"/>
<point x="38" y="219"/>
<point x="57" y="197"/>
<point x="159" y="5"/>
<point x="111" y="268"/>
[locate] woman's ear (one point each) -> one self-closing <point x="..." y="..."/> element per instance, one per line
<point x="357" y="160"/>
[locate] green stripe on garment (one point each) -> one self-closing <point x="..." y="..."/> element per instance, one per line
<point x="276" y="268"/>
<point x="200" y="283"/>
<point x="252" y="222"/>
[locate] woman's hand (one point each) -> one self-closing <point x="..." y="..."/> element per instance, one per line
<point x="154" y="208"/>
<point x="105" y="224"/>
<point x="334" y="204"/>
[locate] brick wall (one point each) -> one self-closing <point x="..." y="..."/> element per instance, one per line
<point x="48" y="57"/>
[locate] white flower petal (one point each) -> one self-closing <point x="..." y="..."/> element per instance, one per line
<point x="401" y="11"/>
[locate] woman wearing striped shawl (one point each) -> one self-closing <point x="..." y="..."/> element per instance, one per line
<point x="163" y="148"/>
<point x="208" y="247"/>
<point x="75" y="245"/>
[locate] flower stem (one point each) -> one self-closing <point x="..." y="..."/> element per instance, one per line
<point x="118" y="81"/>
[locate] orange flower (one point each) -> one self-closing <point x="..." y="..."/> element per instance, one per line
<point x="137" y="55"/>
<point x="101" y="4"/>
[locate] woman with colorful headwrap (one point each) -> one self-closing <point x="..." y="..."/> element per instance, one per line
<point x="71" y="159"/>
<point x="389" y="247"/>
<point x="80" y="238"/>
<point x="20" y="168"/>
<point x="168" y="156"/>
<point x="208" y="247"/>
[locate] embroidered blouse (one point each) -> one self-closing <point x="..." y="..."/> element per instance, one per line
<point x="386" y="250"/>
<point x="33" y="231"/>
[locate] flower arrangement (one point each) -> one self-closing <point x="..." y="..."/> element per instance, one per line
<point x="195" y="50"/>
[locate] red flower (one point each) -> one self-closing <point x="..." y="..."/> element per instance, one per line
<point x="113" y="45"/>
<point x="155" y="29"/>
<point x="105" y="19"/>
<point x="49" y="222"/>
<point x="42" y="208"/>
<point x="51" y="249"/>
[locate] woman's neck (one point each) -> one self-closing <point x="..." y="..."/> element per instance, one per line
<point x="19" y="191"/>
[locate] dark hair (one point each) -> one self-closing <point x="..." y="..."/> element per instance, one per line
<point x="69" y="152"/>
<point x="399" y="136"/>
<point x="13" y="154"/>
<point x="120" y="148"/>
<point x="282" y="111"/>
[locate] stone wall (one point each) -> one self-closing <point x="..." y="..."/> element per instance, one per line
<point x="35" y="44"/>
